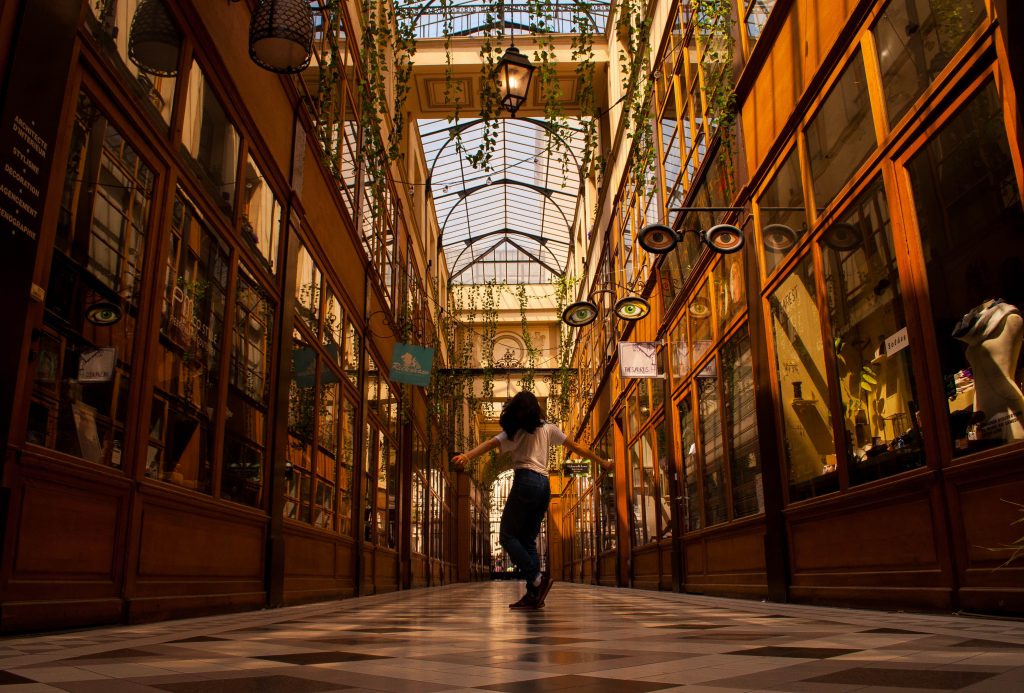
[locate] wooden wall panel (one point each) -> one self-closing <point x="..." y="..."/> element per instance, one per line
<point x="894" y="535"/>
<point x="606" y="569"/>
<point x="645" y="568"/>
<point x="982" y="509"/>
<point x="386" y="578"/>
<point x="420" y="571"/>
<point x="727" y="561"/>
<point x="179" y="542"/>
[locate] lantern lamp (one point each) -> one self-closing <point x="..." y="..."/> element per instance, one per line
<point x="281" y="35"/>
<point x="514" y="73"/>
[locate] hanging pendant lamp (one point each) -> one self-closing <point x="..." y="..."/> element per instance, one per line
<point x="514" y="72"/>
<point x="154" y="42"/>
<point x="281" y="35"/>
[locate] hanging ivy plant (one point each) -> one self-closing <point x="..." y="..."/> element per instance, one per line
<point x="388" y="44"/>
<point x="583" y="57"/>
<point x="527" y="383"/>
<point x="714" y="25"/>
<point x="634" y="26"/>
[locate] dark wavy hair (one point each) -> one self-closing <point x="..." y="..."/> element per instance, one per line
<point x="522" y="412"/>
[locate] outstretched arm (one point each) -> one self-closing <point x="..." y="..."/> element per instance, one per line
<point x="462" y="459"/>
<point x="572" y="446"/>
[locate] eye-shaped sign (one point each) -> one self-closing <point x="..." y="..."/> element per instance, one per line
<point x="632" y="308"/>
<point x="778" y="237"/>
<point x="657" y="238"/>
<point x="724" y="238"/>
<point x="103" y="313"/>
<point x="842" y="236"/>
<point x="579" y="314"/>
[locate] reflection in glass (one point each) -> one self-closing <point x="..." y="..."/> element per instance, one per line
<point x="730" y="288"/>
<point x="248" y="393"/>
<point x="186" y="372"/>
<point x="869" y="329"/>
<point x="841" y="135"/>
<point x="803" y="387"/>
<point x="82" y="367"/>
<point x="210" y="139"/>
<point x="308" y="290"/>
<point x="261" y="215"/>
<point x="915" y="40"/>
<point x="698" y="314"/>
<point x="972" y="228"/>
<point x="640" y="535"/>
<point x="691" y="471"/>
<point x="741" y="425"/>
<point x="708" y="404"/>
<point x="782" y="213"/>
<point x="113" y="29"/>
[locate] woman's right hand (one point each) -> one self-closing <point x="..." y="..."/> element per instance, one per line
<point x="460" y="460"/>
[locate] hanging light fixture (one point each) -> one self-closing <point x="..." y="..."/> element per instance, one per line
<point x="281" y="35"/>
<point x="154" y="42"/>
<point x="514" y="73"/>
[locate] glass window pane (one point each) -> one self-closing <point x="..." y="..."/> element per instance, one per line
<point x="730" y="288"/>
<point x="211" y="140"/>
<point x="640" y="536"/>
<point x="715" y="510"/>
<point x="261" y="216"/>
<point x="691" y="482"/>
<point x="971" y="223"/>
<point x="803" y="388"/>
<point x="308" y="291"/>
<point x="915" y="40"/>
<point x="782" y="213"/>
<point x="741" y="425"/>
<point x="879" y="398"/>
<point x="698" y="313"/>
<point x="841" y="135"/>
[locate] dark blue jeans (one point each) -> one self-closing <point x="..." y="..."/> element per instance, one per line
<point x="525" y="508"/>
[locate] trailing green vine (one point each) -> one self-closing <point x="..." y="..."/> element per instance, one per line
<point x="713" y="21"/>
<point x="635" y="59"/>
<point x="527" y="383"/>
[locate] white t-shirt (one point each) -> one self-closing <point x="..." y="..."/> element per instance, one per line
<point x="530" y="450"/>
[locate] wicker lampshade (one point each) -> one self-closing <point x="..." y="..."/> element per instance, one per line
<point x="154" y="41"/>
<point x="281" y="35"/>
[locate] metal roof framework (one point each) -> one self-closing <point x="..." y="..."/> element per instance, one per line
<point x="511" y="222"/>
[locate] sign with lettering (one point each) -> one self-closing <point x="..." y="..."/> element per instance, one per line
<point x="897" y="342"/>
<point x="97" y="365"/>
<point x="411" y="364"/>
<point x="31" y="104"/>
<point x="576" y="468"/>
<point x="638" y="360"/>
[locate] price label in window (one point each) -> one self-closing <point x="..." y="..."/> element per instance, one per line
<point x="896" y="342"/>
<point x="97" y="365"/>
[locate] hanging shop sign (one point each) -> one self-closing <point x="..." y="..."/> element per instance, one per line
<point x="639" y="359"/>
<point x="576" y="468"/>
<point x="411" y="364"/>
<point x="97" y="365"/>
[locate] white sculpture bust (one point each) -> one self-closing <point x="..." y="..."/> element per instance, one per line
<point x="992" y="332"/>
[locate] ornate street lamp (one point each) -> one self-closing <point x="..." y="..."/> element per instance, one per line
<point x="514" y="72"/>
<point x="281" y="35"/>
<point x="154" y="42"/>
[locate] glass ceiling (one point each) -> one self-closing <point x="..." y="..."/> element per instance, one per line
<point x="474" y="17"/>
<point x="511" y="223"/>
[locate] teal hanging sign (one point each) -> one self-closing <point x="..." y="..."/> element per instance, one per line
<point x="411" y="364"/>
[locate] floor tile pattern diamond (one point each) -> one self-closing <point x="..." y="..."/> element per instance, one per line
<point x="589" y="639"/>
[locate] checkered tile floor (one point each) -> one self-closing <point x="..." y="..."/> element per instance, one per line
<point x="587" y="639"/>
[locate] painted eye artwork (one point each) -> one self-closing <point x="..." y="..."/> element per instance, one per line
<point x="700" y="308"/>
<point x="579" y="314"/>
<point x="632" y="308"/>
<point x="103" y="313"/>
<point x="779" y="237"/>
<point x="724" y="238"/>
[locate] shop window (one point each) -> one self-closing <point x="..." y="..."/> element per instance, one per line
<point x="881" y="433"/>
<point x="328" y="434"/>
<point x="349" y="431"/>
<point x="709" y="408"/>
<point x="308" y="291"/>
<point x="970" y="219"/>
<point x="803" y="386"/>
<point x="915" y="40"/>
<point x="371" y="463"/>
<point x="248" y="395"/>
<point x="113" y="31"/>
<point x="210" y="140"/>
<point x="663" y="488"/>
<point x="741" y="425"/>
<point x="729" y="287"/>
<point x="641" y="533"/>
<point x="607" y="527"/>
<point x="333" y="327"/>
<point x="698" y="314"/>
<point x="353" y="346"/>
<point x="691" y="467"/>
<point x="302" y="412"/>
<point x="841" y="134"/>
<point x="187" y="362"/>
<point x="85" y="352"/>
<point x="782" y="213"/>
<point x="261" y="216"/>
